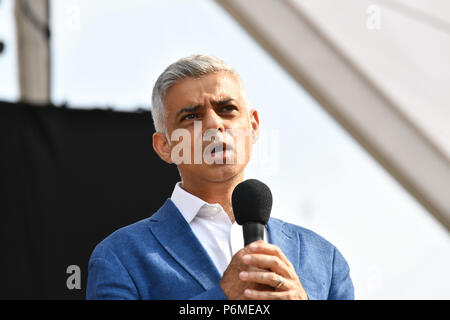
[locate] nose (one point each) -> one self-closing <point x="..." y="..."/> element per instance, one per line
<point x="212" y="121"/>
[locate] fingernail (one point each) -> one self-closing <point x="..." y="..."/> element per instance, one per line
<point x="248" y="292"/>
<point x="254" y="246"/>
<point x="243" y="275"/>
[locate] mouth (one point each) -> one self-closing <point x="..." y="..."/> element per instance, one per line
<point x="220" y="150"/>
<point x="219" y="154"/>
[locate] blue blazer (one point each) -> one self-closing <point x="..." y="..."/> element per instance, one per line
<point x="161" y="258"/>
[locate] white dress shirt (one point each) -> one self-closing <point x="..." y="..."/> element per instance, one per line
<point x="212" y="226"/>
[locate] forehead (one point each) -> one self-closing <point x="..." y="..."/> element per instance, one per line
<point x="193" y="91"/>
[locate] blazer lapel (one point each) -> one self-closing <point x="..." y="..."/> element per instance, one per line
<point x="286" y="240"/>
<point x="176" y="237"/>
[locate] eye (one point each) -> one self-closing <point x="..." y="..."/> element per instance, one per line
<point x="189" y="117"/>
<point x="229" y="108"/>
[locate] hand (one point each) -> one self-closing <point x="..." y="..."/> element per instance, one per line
<point x="272" y="264"/>
<point x="231" y="285"/>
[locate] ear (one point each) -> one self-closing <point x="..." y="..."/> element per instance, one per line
<point x="254" y="123"/>
<point x="162" y="147"/>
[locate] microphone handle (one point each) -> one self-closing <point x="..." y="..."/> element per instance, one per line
<point x="253" y="231"/>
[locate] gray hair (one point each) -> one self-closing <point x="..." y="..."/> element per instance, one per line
<point x="194" y="66"/>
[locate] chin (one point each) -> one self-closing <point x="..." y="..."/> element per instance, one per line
<point x="222" y="172"/>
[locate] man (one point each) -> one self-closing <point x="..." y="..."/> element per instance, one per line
<point x="191" y="248"/>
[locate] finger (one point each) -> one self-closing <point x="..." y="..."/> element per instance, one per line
<point x="236" y="260"/>
<point x="270" y="249"/>
<point x="266" y="295"/>
<point x="273" y="263"/>
<point x="268" y="278"/>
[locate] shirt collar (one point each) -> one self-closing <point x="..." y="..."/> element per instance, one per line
<point x="188" y="204"/>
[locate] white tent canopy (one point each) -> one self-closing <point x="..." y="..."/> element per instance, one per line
<point x="380" y="68"/>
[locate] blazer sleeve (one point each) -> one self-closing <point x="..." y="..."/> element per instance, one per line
<point x="107" y="277"/>
<point x="341" y="287"/>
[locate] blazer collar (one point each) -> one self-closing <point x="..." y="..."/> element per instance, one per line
<point x="176" y="237"/>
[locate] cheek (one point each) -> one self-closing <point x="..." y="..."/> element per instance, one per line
<point x="243" y="139"/>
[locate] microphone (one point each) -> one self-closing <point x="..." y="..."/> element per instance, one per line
<point x="252" y="203"/>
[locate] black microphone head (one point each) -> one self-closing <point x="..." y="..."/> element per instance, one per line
<point x="252" y="202"/>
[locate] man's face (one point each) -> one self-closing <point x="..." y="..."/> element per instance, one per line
<point x="200" y="106"/>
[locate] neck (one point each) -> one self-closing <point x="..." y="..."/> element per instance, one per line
<point x="215" y="192"/>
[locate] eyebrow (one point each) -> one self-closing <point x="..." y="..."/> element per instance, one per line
<point x="189" y="109"/>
